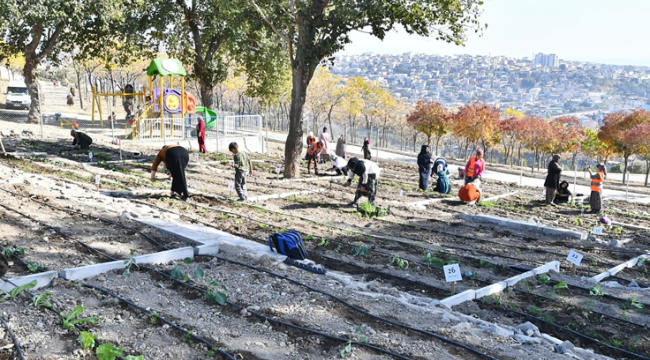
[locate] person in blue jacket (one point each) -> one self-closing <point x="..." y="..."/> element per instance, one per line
<point x="424" y="167"/>
<point x="442" y="186"/>
<point x="440" y="165"/>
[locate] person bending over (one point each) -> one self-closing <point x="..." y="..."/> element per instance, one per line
<point x="81" y="140"/>
<point x="175" y="159"/>
<point x="368" y="173"/>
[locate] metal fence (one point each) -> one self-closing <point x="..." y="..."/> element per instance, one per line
<point x="176" y="128"/>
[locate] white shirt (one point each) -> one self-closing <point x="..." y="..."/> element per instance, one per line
<point x="339" y="163"/>
<point x="371" y="168"/>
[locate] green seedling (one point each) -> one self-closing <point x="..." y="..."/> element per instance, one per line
<point x="310" y="237"/>
<point x="636" y="303"/>
<point x="487" y="204"/>
<point x="9" y="252"/>
<point x="212" y="352"/>
<point x="41" y="301"/>
<point x="338" y="248"/>
<point x="324" y="242"/>
<point x="214" y="294"/>
<point x="110" y="352"/>
<point x="224" y="216"/>
<point x="544" y="279"/>
<point x="534" y="310"/>
<point x="153" y="317"/>
<point x="187" y="337"/>
<point x="68" y="321"/>
<point x="263" y="226"/>
<point x="16" y="291"/>
<point x="87" y="340"/>
<point x="560" y="285"/>
<point x="573" y="326"/>
<point x="34" y="267"/>
<point x="361" y="250"/>
<point x="596" y="291"/>
<point x="347" y="349"/>
<point x="401" y="263"/>
<point x="130" y="262"/>
<point x="177" y="272"/>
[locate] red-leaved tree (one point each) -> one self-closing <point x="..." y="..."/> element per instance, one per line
<point x="615" y="129"/>
<point x="639" y="138"/>
<point x="568" y="136"/>
<point x="538" y="133"/>
<point x="479" y="124"/>
<point x="431" y="119"/>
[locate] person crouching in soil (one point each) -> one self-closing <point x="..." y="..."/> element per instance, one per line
<point x="81" y="140"/>
<point x="563" y="196"/>
<point x="552" y="183"/>
<point x="597" y="179"/>
<point x="471" y="192"/>
<point x="443" y="185"/>
<point x="368" y="173"/>
<point x="175" y="159"/>
<point x="339" y="165"/>
<point x="243" y="168"/>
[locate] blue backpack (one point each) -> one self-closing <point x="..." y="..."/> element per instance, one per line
<point x="288" y="243"/>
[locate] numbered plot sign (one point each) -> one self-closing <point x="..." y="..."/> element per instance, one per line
<point x="277" y="170"/>
<point x="231" y="186"/>
<point x="574" y="257"/>
<point x="401" y="193"/>
<point x="452" y="273"/>
<point x="90" y="155"/>
<point x="98" y="178"/>
<point x="598" y="230"/>
<point x="196" y="156"/>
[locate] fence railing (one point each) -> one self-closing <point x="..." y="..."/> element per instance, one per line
<point x="216" y="126"/>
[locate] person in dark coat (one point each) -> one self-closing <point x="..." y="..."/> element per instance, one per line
<point x="175" y="159"/>
<point x="552" y="183"/>
<point x="340" y="147"/>
<point x="366" y="149"/>
<point x="563" y="194"/>
<point x="81" y="140"/>
<point x="424" y="166"/>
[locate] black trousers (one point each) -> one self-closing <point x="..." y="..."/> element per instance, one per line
<point x="176" y="162"/>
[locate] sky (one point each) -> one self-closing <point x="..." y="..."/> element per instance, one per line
<point x="602" y="31"/>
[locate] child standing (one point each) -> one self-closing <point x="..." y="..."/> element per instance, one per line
<point x="243" y="168"/>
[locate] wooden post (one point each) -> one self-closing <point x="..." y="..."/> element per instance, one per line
<point x="171" y="86"/>
<point x="573" y="269"/>
<point x="453" y="288"/>
<point x="99" y="106"/>
<point x="183" y="104"/>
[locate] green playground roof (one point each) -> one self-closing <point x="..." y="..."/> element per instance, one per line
<point x="166" y="67"/>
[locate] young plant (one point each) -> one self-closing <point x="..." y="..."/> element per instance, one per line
<point x="41" y="301"/>
<point x="347" y="349"/>
<point x="87" y="340"/>
<point x="34" y="267"/>
<point x="68" y="321"/>
<point x="544" y="279"/>
<point x="560" y="285"/>
<point x="214" y="294"/>
<point x="108" y="352"/>
<point x="129" y="263"/>
<point x="636" y="303"/>
<point x="9" y="252"/>
<point x="16" y="291"/>
<point x="361" y="250"/>
<point x="324" y="242"/>
<point x="596" y="291"/>
<point x="153" y="317"/>
<point x="401" y="263"/>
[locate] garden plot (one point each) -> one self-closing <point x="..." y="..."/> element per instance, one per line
<point x="63" y="148"/>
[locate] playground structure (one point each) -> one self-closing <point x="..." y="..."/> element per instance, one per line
<point x="96" y="98"/>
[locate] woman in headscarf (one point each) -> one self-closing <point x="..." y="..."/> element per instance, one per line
<point x="175" y="159"/>
<point x="81" y="140"/>
<point x="325" y="138"/>
<point x="366" y="149"/>
<point x="595" y="200"/>
<point x="442" y="186"/>
<point x="474" y="167"/>
<point x="200" y="135"/>
<point x="424" y="167"/>
<point x="563" y="193"/>
<point x="340" y="147"/>
<point x="552" y="183"/>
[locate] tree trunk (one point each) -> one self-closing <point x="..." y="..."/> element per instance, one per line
<point x="437" y="144"/>
<point x="647" y="172"/>
<point x="293" y="146"/>
<point x="81" y="101"/>
<point x="625" y="158"/>
<point x="207" y="98"/>
<point x="31" y="62"/>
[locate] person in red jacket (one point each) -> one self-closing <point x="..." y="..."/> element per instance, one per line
<point x="200" y="135"/>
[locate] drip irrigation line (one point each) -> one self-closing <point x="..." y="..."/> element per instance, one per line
<point x="230" y="303"/>
<point x="13" y="338"/>
<point x="610" y="347"/>
<point x="264" y="317"/>
<point x="51" y="309"/>
<point x="205" y="342"/>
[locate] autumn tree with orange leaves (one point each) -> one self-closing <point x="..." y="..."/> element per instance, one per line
<point x="478" y="124"/>
<point x="640" y="140"/>
<point x="538" y="133"/>
<point x="567" y="136"/>
<point x="431" y="119"/>
<point x="513" y="136"/>
<point x="617" y="131"/>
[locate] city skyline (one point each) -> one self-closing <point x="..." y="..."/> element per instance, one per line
<point x="588" y="31"/>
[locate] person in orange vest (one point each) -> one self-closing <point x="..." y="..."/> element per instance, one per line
<point x="470" y="193"/>
<point x="472" y="171"/>
<point x="310" y="139"/>
<point x="313" y="154"/>
<point x="595" y="200"/>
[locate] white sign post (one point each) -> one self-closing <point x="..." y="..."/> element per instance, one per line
<point x="277" y="170"/>
<point x="231" y="187"/>
<point x="196" y="156"/>
<point x="575" y="259"/>
<point x="452" y="274"/>
<point x="90" y="156"/>
<point x="598" y="230"/>
<point x="401" y="193"/>
<point x="98" y="179"/>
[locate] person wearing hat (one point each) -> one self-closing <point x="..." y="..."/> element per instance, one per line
<point x="472" y="171"/>
<point x="368" y="173"/>
<point x="325" y="138"/>
<point x="552" y="183"/>
<point x="595" y="200"/>
<point x="339" y="164"/>
<point x="310" y="139"/>
<point x="200" y="135"/>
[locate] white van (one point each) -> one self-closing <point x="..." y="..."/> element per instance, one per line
<point x="17" y="96"/>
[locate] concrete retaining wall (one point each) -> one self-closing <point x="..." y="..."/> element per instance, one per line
<point x="522" y="225"/>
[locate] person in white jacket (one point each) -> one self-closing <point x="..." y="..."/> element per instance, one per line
<point x="368" y="173"/>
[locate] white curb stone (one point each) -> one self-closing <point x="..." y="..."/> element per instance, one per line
<point x="522" y="225"/>
<point x="283" y="195"/>
<point x="491" y="289"/>
<point x="321" y="178"/>
<point x="210" y="249"/>
<point x="42" y="279"/>
<point x="613" y="271"/>
<point x="459" y="298"/>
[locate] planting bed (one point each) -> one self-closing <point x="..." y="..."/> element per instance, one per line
<point x="389" y="267"/>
